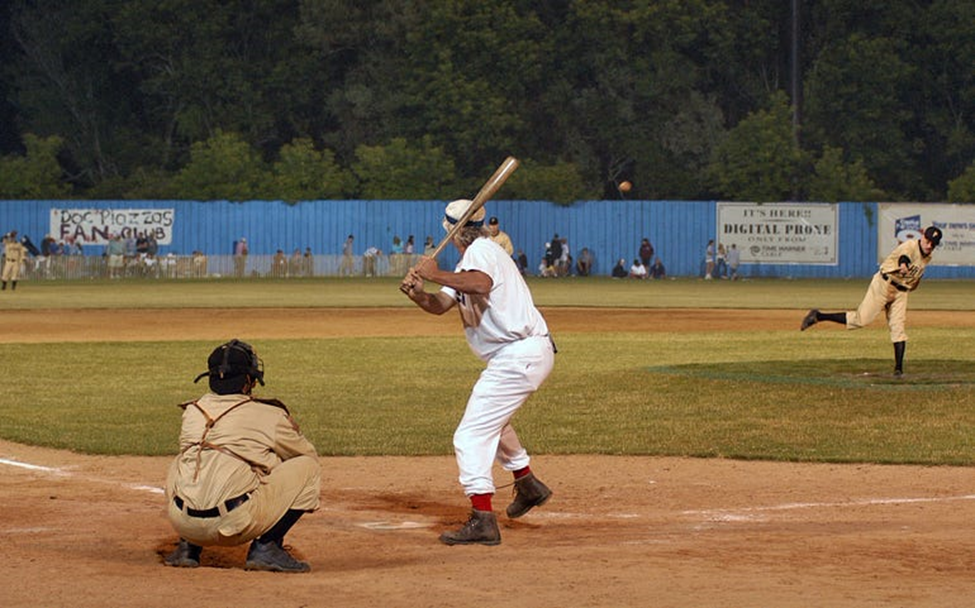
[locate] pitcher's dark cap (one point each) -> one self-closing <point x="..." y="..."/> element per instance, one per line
<point x="933" y="234"/>
<point x="493" y="221"/>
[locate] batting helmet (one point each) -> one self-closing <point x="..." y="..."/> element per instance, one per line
<point x="230" y="365"/>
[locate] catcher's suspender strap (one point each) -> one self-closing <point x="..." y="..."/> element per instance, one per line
<point x="203" y="444"/>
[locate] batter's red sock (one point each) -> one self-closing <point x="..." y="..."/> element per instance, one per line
<point x="481" y="502"/>
<point x="522" y="472"/>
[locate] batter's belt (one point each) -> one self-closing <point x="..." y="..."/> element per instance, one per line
<point x="896" y="285"/>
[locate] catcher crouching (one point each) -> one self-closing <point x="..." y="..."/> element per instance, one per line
<point x="244" y="472"/>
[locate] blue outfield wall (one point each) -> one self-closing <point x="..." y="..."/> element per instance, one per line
<point x="679" y="230"/>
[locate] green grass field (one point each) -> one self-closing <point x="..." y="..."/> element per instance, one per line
<point x="778" y="395"/>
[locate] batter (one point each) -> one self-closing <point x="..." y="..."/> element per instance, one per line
<point x="899" y="274"/>
<point x="505" y="330"/>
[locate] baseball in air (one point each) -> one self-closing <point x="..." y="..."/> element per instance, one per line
<point x="625" y="186"/>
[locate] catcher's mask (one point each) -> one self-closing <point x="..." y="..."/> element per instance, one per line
<point x="230" y="365"/>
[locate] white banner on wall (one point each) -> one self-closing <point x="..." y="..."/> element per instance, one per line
<point x="780" y="233"/>
<point x="98" y="226"/>
<point x="901" y="222"/>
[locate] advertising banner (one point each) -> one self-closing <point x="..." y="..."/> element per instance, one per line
<point x="901" y="222"/>
<point x="780" y="233"/>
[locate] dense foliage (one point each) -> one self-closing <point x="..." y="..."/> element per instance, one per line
<point x="313" y="99"/>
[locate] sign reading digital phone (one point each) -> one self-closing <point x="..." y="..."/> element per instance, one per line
<point x="901" y="222"/>
<point x="98" y="226"/>
<point x="780" y="233"/>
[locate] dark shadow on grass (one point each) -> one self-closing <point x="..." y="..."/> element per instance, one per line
<point x="842" y="373"/>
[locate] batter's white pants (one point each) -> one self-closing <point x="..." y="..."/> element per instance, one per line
<point x="485" y="433"/>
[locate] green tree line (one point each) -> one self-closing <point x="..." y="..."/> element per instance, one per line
<point x="757" y="100"/>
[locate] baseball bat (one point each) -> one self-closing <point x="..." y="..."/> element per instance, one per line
<point x="488" y="190"/>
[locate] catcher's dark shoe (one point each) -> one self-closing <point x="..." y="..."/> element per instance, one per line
<point x="480" y="529"/>
<point x="811" y="318"/>
<point x="272" y="557"/>
<point x="186" y="555"/>
<point x="529" y="492"/>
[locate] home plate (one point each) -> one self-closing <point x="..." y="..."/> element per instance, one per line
<point x="389" y="525"/>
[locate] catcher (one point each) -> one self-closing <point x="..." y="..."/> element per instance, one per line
<point x="244" y="471"/>
<point x="900" y="273"/>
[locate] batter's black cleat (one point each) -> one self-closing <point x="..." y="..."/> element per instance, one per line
<point x="480" y="529"/>
<point x="898" y="373"/>
<point x="811" y="318"/>
<point x="186" y="555"/>
<point x="272" y="557"/>
<point x="529" y="493"/>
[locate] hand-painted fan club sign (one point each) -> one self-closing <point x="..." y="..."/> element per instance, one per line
<point x="98" y="226"/>
<point x="780" y="233"/>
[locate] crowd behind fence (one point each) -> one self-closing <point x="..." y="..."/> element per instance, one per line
<point x="200" y="266"/>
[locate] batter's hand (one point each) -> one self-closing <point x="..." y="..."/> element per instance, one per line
<point x="411" y="284"/>
<point x="425" y="268"/>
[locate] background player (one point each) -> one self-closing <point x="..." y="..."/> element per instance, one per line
<point x="504" y="329"/>
<point x="900" y="273"/>
<point x="14" y="254"/>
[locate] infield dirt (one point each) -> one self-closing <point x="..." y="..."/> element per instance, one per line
<point x="87" y="531"/>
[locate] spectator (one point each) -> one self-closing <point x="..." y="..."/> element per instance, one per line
<point x="115" y="250"/>
<point x="241" y="252"/>
<point x="199" y="264"/>
<point x="142" y="245"/>
<point x="348" y="258"/>
<point x="168" y="265"/>
<point x="657" y="271"/>
<point x="584" y="263"/>
<point x="547" y="257"/>
<point x="734" y="259"/>
<point x="709" y="260"/>
<point x="428" y="246"/>
<point x="638" y="270"/>
<point x="619" y="271"/>
<point x="564" y="263"/>
<point x="369" y="258"/>
<point x="646" y="252"/>
<point x="308" y="262"/>
<point x="556" y="250"/>
<point x="410" y="245"/>
<point x="294" y="264"/>
<point x="396" y="256"/>
<point x="720" y="266"/>
<point x="279" y="264"/>
<point x="500" y="236"/>
<point x="522" y="261"/>
<point x="546" y="270"/>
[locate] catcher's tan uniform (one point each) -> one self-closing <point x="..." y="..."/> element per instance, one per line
<point x="252" y="448"/>
<point x="889" y="290"/>
<point x="14" y="255"/>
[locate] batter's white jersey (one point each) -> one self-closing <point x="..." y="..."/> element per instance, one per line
<point x="509" y="314"/>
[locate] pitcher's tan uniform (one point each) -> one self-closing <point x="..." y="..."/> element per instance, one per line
<point x="233" y="446"/>
<point x="889" y="290"/>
